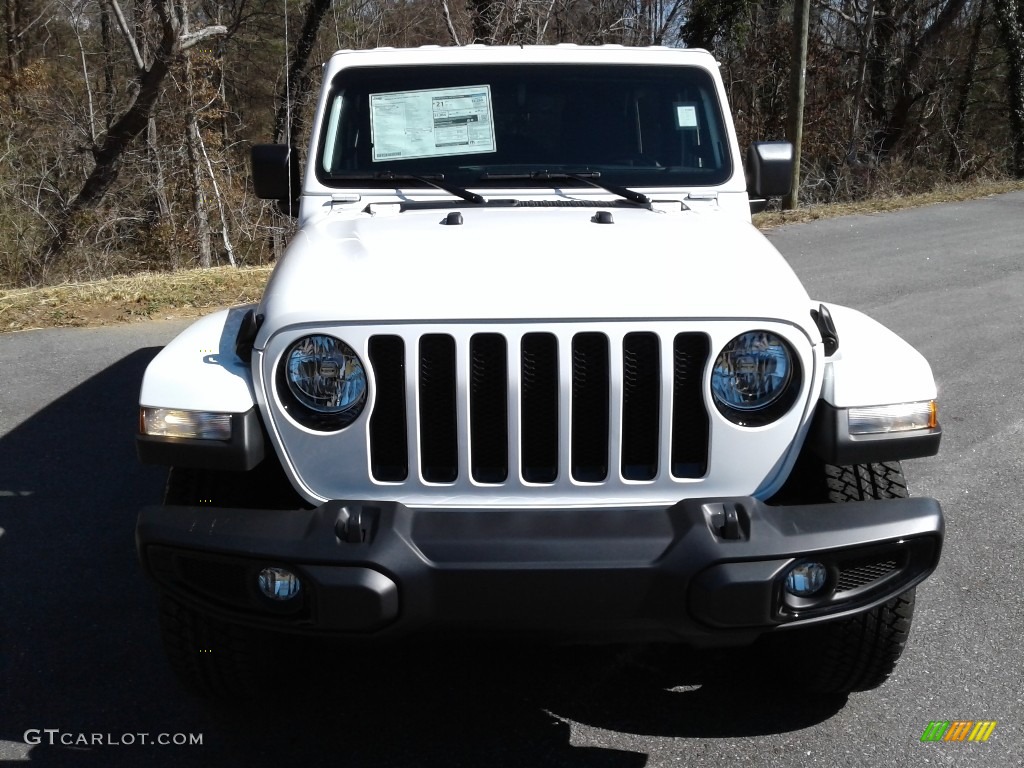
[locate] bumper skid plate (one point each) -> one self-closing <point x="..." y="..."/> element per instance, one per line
<point x="703" y="570"/>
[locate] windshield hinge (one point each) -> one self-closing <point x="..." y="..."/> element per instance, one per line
<point x="384" y="209"/>
<point x="340" y="198"/>
<point x="708" y="197"/>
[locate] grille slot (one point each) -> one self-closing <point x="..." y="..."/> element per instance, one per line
<point x="690" y="423"/>
<point x="439" y="437"/>
<point x="641" y="396"/>
<point x="569" y="388"/>
<point x="539" y="407"/>
<point x="590" y="407"/>
<point x="488" y="407"/>
<point x="863" y="574"/>
<point x="389" y="445"/>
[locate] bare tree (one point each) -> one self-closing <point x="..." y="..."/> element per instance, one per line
<point x="288" y="124"/>
<point x="1010" y="18"/>
<point x="107" y="153"/>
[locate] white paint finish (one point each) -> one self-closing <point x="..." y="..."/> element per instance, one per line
<point x="199" y="371"/>
<point x="533" y="264"/>
<point x="873" y="365"/>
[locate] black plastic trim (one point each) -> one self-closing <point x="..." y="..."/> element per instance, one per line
<point x="831" y="441"/>
<point x="598" y="574"/>
<point x="246" y="337"/>
<point x="241" y="453"/>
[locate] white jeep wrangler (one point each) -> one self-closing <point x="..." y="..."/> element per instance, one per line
<point x="527" y="369"/>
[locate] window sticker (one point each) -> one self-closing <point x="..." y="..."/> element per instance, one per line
<point x="431" y="123"/>
<point x="686" y="115"/>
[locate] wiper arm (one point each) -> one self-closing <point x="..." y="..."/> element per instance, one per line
<point x="587" y="177"/>
<point x="434" y="180"/>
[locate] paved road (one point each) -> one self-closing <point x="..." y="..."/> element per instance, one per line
<point x="79" y="650"/>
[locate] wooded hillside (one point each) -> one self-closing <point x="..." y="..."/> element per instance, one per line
<point x="127" y="123"/>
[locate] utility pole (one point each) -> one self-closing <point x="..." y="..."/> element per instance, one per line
<point x="797" y="81"/>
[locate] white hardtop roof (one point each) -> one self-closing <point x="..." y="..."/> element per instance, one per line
<point x="528" y="54"/>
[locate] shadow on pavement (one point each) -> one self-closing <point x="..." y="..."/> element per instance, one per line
<point x="81" y="668"/>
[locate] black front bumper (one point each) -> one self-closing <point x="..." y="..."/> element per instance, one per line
<point x="709" y="571"/>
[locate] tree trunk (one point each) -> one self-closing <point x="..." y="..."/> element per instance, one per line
<point x="797" y="83"/>
<point x="858" y="96"/>
<point x="1010" y="18"/>
<point x="910" y="91"/>
<point x="201" y="231"/>
<point x="11" y="33"/>
<point x="963" y="102"/>
<point x="289" y="122"/>
<point x="201" y="227"/>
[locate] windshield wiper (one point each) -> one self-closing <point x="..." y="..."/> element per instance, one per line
<point x="434" y="180"/>
<point x="587" y="177"/>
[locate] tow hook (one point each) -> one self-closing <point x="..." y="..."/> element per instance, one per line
<point x="728" y="521"/>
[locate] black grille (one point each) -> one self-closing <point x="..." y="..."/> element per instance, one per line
<point x="641" y="400"/>
<point x="590" y="407"/>
<point x="647" y="396"/>
<point x="389" y="446"/>
<point x="861" y="575"/>
<point x="222" y="580"/>
<point x="439" y="437"/>
<point x="488" y="407"/>
<point x="539" y="370"/>
<point x="689" y="417"/>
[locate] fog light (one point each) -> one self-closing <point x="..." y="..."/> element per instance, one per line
<point x="806" y="579"/>
<point x="279" y="583"/>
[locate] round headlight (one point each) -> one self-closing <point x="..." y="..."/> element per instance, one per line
<point x="324" y="382"/>
<point x="755" y="379"/>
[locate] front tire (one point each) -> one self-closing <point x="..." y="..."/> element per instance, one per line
<point x="213" y="658"/>
<point x="858" y="653"/>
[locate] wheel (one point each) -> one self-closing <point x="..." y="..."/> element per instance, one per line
<point x="858" y="653"/>
<point x="213" y="658"/>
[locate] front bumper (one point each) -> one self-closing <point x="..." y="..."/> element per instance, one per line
<point x="708" y="571"/>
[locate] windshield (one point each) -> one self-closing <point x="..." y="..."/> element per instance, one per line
<point x="499" y="125"/>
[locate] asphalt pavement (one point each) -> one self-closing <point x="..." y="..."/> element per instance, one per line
<point x="83" y="679"/>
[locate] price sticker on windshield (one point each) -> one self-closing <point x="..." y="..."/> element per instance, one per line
<point x="438" y="122"/>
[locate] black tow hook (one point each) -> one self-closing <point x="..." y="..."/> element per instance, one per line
<point x="355" y="524"/>
<point x="728" y="521"/>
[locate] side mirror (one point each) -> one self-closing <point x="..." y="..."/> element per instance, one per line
<point x="769" y="170"/>
<point x="275" y="175"/>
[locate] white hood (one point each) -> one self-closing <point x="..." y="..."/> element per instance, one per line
<point x="549" y="264"/>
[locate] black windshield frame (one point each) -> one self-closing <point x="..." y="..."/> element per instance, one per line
<point x="636" y="125"/>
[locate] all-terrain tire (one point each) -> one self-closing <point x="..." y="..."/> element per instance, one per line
<point x="858" y="653"/>
<point x="213" y="658"/>
<point x="858" y="482"/>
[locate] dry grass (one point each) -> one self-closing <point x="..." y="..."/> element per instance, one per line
<point x="123" y="299"/>
<point x="944" y="194"/>
<point x="195" y="292"/>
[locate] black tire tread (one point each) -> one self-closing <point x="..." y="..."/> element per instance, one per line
<point x="860" y="653"/>
<point x="211" y="658"/>
<point x="857" y="482"/>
